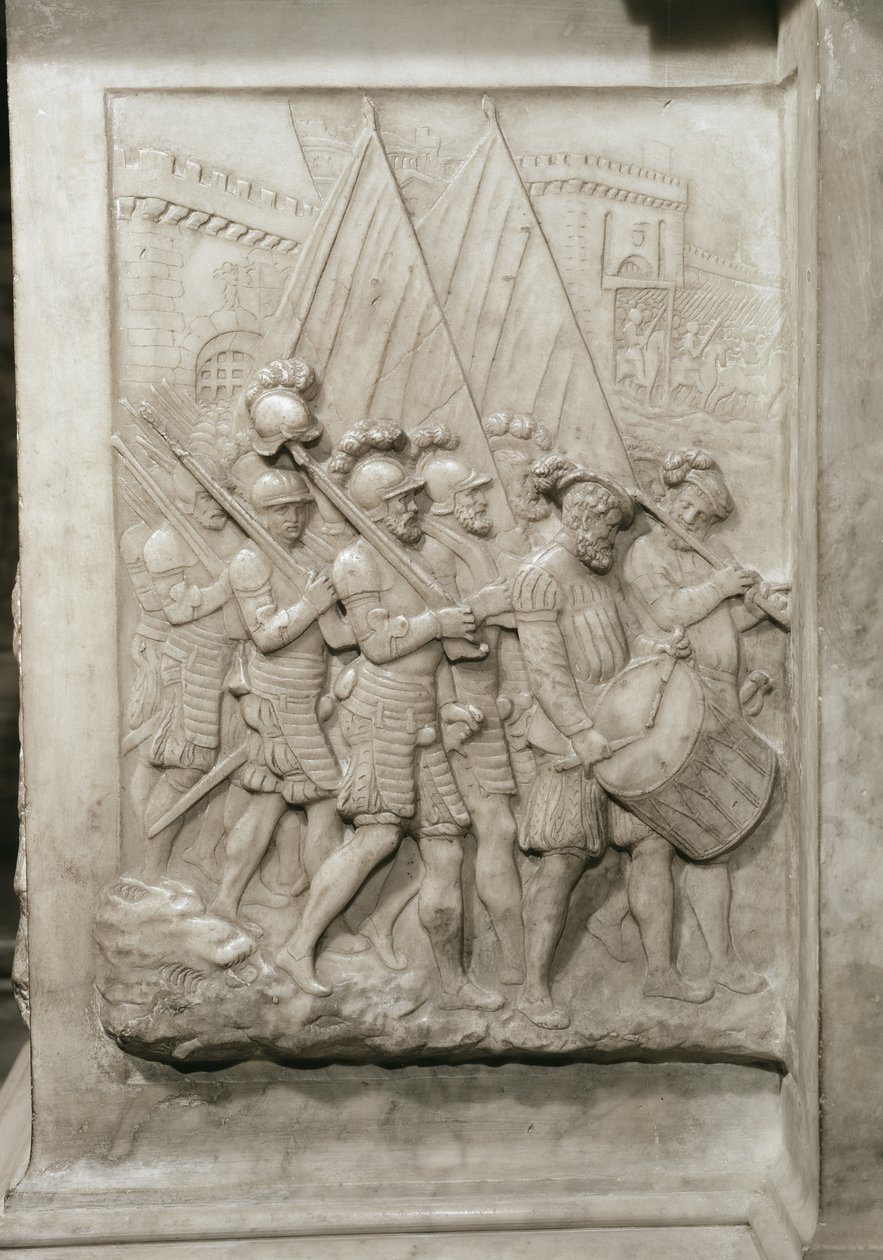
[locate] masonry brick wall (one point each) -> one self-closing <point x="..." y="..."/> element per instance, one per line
<point x="151" y="261"/>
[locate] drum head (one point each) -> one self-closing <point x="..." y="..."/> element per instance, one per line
<point x="625" y="708"/>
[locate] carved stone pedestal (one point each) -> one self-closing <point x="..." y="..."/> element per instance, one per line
<point x="444" y="565"/>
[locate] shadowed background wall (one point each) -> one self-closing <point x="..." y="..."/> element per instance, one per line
<point x="11" y="1028"/>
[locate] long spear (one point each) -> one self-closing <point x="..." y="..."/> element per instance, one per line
<point x="212" y="562"/>
<point x="408" y="567"/>
<point x="247" y="522"/>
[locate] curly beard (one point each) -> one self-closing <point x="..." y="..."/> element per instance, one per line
<point x="405" y="526"/>
<point x="597" y="556"/>
<point x="473" y="521"/>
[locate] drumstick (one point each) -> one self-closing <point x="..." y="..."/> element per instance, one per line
<point x="664" y="677"/>
<point x="571" y="763"/>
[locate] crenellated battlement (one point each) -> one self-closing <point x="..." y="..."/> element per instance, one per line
<point x="200" y="196"/>
<point x="593" y="175"/>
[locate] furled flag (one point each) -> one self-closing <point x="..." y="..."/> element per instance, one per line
<point x="360" y="307"/>
<point x="508" y="311"/>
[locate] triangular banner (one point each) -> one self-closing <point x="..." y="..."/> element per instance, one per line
<point x="361" y="309"/>
<point x="508" y="310"/>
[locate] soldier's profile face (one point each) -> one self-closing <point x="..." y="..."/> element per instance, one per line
<point x="402" y="518"/>
<point x="470" y="511"/>
<point x="208" y="513"/>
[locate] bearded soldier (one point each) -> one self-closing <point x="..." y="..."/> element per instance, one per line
<point x="290" y="762"/>
<point x="197" y="653"/>
<point x="574" y="629"/>
<point x="671" y="585"/>
<point x="458" y="520"/>
<point x="398" y="780"/>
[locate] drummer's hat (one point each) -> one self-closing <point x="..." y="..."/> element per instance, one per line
<point x="555" y="476"/>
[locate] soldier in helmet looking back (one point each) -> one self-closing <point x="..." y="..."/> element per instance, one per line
<point x="290" y="762"/>
<point x="398" y="781"/>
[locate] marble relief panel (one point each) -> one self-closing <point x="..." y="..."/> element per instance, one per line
<point x="454" y="601"/>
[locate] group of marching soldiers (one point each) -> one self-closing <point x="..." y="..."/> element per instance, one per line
<point x="399" y="673"/>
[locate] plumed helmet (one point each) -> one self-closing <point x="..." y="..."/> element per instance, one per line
<point x="280" y="485"/>
<point x="379" y="478"/>
<point x="276" y="399"/>
<point x="447" y="476"/>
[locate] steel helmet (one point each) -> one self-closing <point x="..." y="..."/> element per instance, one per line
<point x="446" y="476"/>
<point x="379" y="478"/>
<point x="280" y="485"/>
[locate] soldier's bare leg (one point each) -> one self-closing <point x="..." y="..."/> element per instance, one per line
<point x="651" y="901"/>
<point x="324" y="835"/>
<point x="201" y="854"/>
<point x="710" y="893"/>
<point x="497" y="881"/>
<point x="399" y="889"/>
<point x="546" y="901"/>
<point x="440" y="906"/>
<point x="246" y="847"/>
<point x="332" y="889"/>
<point x="168" y="791"/>
<point x="607" y="922"/>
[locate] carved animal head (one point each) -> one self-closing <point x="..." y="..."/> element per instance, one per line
<point x="158" y="942"/>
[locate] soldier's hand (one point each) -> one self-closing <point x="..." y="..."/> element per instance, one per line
<point x="734" y="580"/>
<point x="459" y="723"/>
<point x="678" y="646"/>
<point x="320" y="591"/>
<point x="455" y="623"/>
<point x="590" y="746"/>
<point x="491" y="600"/>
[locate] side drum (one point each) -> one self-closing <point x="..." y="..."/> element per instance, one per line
<point x="698" y="774"/>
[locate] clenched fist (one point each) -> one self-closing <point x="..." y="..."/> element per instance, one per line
<point x="455" y="623"/>
<point x="590" y="746"/>
<point x="320" y="591"/>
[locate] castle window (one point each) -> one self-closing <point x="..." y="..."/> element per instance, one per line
<point x="223" y="364"/>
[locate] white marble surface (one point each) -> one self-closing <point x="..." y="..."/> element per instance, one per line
<point x="679" y="1156"/>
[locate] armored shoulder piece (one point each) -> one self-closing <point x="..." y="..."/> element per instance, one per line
<point x="132" y="544"/>
<point x="356" y="570"/>
<point x="249" y="570"/>
<point x="165" y="551"/>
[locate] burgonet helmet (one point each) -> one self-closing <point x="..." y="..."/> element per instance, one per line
<point x="276" y="399"/>
<point x="278" y="486"/>
<point x="379" y="478"/>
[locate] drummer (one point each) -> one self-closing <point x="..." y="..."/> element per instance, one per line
<point x="670" y="585"/>
<point x="574" y="629"/>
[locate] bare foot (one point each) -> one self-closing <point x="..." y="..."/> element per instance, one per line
<point x="469" y="997"/>
<point x="302" y="972"/>
<point x="737" y="977"/>
<point x="671" y="984"/>
<point x="348" y="943"/>
<point x="384" y="947"/>
<point x="543" y="1012"/>
<point x="609" y="933"/>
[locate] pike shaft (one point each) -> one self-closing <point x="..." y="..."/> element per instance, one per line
<point x="208" y="557"/>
